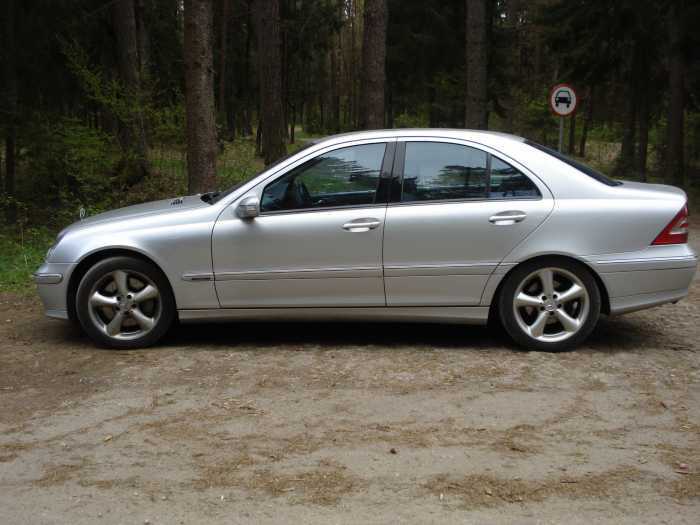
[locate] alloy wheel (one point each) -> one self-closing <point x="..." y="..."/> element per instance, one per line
<point x="551" y="304"/>
<point x="125" y="304"/>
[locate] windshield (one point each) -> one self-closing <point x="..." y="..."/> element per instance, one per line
<point x="216" y="196"/>
<point x="583" y="168"/>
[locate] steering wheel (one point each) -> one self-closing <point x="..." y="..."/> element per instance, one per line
<point x="304" y="195"/>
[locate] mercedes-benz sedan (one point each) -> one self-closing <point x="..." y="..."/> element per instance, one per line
<point x="411" y="225"/>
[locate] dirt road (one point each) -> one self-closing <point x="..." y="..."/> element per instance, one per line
<point x="334" y="423"/>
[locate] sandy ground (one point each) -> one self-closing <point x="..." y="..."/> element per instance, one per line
<point x="306" y="423"/>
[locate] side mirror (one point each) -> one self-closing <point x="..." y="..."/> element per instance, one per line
<point x="248" y="208"/>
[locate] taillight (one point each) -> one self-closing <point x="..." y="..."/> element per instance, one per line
<point x="676" y="231"/>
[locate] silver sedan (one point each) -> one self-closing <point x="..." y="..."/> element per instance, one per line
<point x="410" y="225"/>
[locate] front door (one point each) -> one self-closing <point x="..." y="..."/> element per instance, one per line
<point x="317" y="241"/>
<point x="458" y="211"/>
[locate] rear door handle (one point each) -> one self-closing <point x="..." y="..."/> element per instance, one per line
<point x="506" y="218"/>
<point x="361" y="225"/>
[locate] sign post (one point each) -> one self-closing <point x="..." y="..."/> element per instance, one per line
<point x="562" y="102"/>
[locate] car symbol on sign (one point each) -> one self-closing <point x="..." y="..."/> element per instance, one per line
<point x="562" y="97"/>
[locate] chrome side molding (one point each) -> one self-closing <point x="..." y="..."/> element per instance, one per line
<point x="198" y="277"/>
<point x="435" y="314"/>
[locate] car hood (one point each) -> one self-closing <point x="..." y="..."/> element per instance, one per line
<point x="161" y="207"/>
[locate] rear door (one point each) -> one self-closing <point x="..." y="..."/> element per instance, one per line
<point x="457" y="210"/>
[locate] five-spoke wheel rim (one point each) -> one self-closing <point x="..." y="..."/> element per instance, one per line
<point x="551" y="304"/>
<point x="125" y="304"/>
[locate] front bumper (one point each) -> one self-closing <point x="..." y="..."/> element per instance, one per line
<point x="52" y="284"/>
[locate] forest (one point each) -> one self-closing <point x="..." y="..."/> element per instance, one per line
<point x="106" y="103"/>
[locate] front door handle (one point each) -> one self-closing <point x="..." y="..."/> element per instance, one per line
<point x="361" y="225"/>
<point x="506" y="218"/>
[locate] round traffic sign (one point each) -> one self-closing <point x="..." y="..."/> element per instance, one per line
<point x="562" y="100"/>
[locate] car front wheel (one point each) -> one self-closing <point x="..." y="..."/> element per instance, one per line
<point x="125" y="302"/>
<point x="550" y="304"/>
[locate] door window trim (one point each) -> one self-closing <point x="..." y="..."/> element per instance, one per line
<point x="385" y="172"/>
<point x="399" y="170"/>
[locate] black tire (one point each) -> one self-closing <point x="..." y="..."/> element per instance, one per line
<point x="134" y="266"/>
<point x="506" y="299"/>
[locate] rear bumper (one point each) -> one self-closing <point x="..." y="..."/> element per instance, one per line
<point x="657" y="275"/>
<point x="52" y="285"/>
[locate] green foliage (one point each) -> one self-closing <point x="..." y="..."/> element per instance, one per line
<point x="238" y="162"/>
<point x="21" y="253"/>
<point x="67" y="164"/>
<point x="408" y="120"/>
<point x="167" y="124"/>
<point x="123" y="104"/>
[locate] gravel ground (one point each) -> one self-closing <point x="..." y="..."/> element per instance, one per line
<point x="357" y="423"/>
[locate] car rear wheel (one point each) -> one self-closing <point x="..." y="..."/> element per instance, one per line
<point x="124" y="302"/>
<point x="550" y="304"/>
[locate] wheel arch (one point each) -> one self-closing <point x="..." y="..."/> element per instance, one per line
<point x="605" y="298"/>
<point x="93" y="258"/>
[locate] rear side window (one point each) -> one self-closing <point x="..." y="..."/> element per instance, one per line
<point x="506" y="182"/>
<point x="441" y="171"/>
<point x="436" y="171"/>
<point x="583" y="168"/>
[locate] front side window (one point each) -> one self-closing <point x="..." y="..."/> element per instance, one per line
<point x="506" y="182"/>
<point x="343" y="177"/>
<point x="441" y="171"/>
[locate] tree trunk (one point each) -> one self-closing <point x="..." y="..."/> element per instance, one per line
<point x="144" y="43"/>
<point x="258" y="136"/>
<point x="267" y="25"/>
<point x="513" y="8"/>
<point x="10" y="109"/>
<point x="292" y="123"/>
<point x="587" y="121"/>
<point x="334" y="123"/>
<point x="199" y="96"/>
<point x="675" y="165"/>
<point x="352" y="102"/>
<point x="223" y="48"/>
<point x="643" y="118"/>
<point x="132" y="133"/>
<point x="247" y="124"/>
<point x="626" y="162"/>
<point x="389" y="108"/>
<point x="373" y="65"/>
<point x="475" y="112"/>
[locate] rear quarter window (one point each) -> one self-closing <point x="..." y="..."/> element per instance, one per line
<point x="506" y="182"/>
<point x="583" y="168"/>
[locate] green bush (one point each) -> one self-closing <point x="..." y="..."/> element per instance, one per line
<point x="65" y="165"/>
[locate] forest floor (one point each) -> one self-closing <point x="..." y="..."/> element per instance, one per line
<point x="254" y="423"/>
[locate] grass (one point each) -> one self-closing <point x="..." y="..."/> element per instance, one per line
<point x="21" y="253"/>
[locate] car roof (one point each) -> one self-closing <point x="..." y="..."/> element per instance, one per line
<point x="483" y="137"/>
